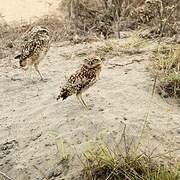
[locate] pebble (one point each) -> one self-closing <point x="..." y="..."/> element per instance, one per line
<point x="101" y="109"/>
<point x="178" y="131"/>
<point x="125" y="119"/>
<point x="34" y="138"/>
<point x="54" y="173"/>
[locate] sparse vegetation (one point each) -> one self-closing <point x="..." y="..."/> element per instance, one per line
<point x="61" y="149"/>
<point x="104" y="22"/>
<point x="166" y="67"/>
<point x="126" y="163"/>
<point x="87" y="20"/>
<point x="108" y="18"/>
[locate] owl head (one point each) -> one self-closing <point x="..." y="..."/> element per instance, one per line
<point x="39" y="31"/>
<point x="93" y="61"/>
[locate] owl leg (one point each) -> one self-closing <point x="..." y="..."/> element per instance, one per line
<point x="30" y="72"/>
<point x="36" y="68"/>
<point x="80" y="99"/>
<point x="85" y="105"/>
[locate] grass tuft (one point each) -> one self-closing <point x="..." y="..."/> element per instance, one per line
<point x="62" y="150"/>
<point x="166" y="66"/>
<point x="123" y="162"/>
<point x="108" y="165"/>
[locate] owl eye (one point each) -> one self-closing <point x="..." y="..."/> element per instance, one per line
<point x="95" y="60"/>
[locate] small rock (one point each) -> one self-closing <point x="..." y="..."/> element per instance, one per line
<point x="8" y="145"/>
<point x="50" y="174"/>
<point x="54" y="173"/>
<point x="125" y="119"/>
<point x="16" y="78"/>
<point x="111" y="67"/>
<point x="79" y="142"/>
<point x="39" y="162"/>
<point x="178" y="131"/>
<point x="34" y="138"/>
<point x="9" y="45"/>
<point x="57" y="172"/>
<point x="49" y="144"/>
<point x="101" y="109"/>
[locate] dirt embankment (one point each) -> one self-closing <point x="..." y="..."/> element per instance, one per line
<point x="33" y="124"/>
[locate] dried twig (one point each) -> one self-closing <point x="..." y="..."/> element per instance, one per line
<point x="7" y="177"/>
<point x="121" y="65"/>
<point x="166" y="21"/>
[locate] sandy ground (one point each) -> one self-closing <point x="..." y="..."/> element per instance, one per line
<point x="27" y="10"/>
<point x="33" y="123"/>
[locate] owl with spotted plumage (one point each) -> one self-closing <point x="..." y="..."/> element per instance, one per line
<point x="85" y="77"/>
<point x="34" y="49"/>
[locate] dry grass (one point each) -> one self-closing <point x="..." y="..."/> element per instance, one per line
<point x="161" y="19"/>
<point x="124" y="162"/>
<point x="98" y="16"/>
<point x="109" y="18"/>
<point x="113" y="47"/>
<point x="85" y="19"/>
<point x="166" y="66"/>
<point x="61" y="149"/>
<point x="12" y="36"/>
<point x="59" y="29"/>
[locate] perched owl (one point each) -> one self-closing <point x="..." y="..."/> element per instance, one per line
<point x="34" y="49"/>
<point x="82" y="79"/>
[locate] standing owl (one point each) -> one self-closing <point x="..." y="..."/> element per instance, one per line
<point x="85" y="77"/>
<point x="34" y="49"/>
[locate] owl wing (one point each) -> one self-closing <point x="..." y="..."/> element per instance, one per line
<point x="28" y="49"/>
<point x="76" y="83"/>
<point x="81" y="80"/>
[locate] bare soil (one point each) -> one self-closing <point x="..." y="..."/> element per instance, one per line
<point x="33" y="124"/>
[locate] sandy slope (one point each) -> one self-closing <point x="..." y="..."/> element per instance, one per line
<point x="32" y="122"/>
<point x="26" y="9"/>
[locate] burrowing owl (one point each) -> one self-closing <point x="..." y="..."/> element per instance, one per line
<point x="34" y="49"/>
<point x="82" y="79"/>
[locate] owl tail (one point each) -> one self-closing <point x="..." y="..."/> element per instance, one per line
<point x="63" y="94"/>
